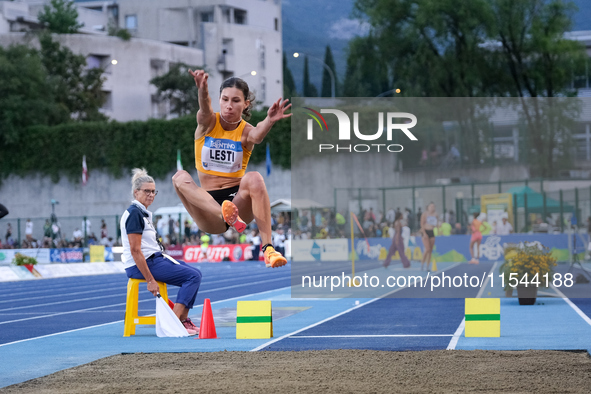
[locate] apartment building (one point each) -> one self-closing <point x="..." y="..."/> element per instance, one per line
<point x="227" y="37"/>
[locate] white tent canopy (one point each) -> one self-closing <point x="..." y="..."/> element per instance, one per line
<point x="283" y="205"/>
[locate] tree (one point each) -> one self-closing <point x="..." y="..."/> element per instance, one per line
<point x="77" y="90"/>
<point x="477" y="48"/>
<point x="326" y="80"/>
<point x="25" y="96"/>
<point x="289" y="88"/>
<point x="178" y="88"/>
<point x="60" y="17"/>
<point x="540" y="62"/>
<point x="367" y="72"/>
<point x="309" y="88"/>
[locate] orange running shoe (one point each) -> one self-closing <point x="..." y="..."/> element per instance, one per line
<point x="274" y="259"/>
<point x="230" y="214"/>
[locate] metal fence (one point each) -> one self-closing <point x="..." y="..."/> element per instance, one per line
<point x="560" y="210"/>
<point x="98" y="229"/>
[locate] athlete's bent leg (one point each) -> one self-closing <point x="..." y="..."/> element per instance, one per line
<point x="199" y="203"/>
<point x="252" y="201"/>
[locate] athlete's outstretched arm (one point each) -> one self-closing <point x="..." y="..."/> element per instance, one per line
<point x="275" y="113"/>
<point x="205" y="115"/>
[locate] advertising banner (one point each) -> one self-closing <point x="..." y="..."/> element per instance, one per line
<point x="496" y="205"/>
<point x="455" y="248"/>
<point x="97" y="253"/>
<point x="67" y="255"/>
<point x="217" y="253"/>
<point x="7" y="255"/>
<point x="175" y="251"/>
<point x="320" y="249"/>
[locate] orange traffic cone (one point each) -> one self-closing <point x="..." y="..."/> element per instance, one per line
<point x="207" y="326"/>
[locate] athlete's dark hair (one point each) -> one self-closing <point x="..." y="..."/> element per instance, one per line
<point x="240" y="84"/>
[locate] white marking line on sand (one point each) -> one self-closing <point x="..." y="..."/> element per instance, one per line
<point x="572" y="305"/>
<point x="456" y="337"/>
<point x="372" y="336"/>
<point x="121" y="321"/>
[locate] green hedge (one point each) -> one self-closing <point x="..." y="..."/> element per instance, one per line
<point x="117" y="147"/>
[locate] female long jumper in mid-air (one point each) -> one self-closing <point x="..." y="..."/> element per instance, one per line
<point x="223" y="144"/>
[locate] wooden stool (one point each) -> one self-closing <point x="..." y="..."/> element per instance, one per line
<point x="131" y="310"/>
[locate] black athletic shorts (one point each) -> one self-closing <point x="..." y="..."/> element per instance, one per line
<point x="430" y="233"/>
<point x="224" y="194"/>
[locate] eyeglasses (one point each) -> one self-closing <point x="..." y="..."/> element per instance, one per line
<point x="148" y="191"/>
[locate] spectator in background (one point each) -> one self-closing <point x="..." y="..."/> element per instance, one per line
<point x="485" y="228"/>
<point x="256" y="243"/>
<point x="162" y="226"/>
<point x="194" y="231"/>
<point x="171" y="232"/>
<point x="304" y="221"/>
<point x="104" y="232"/>
<point x="205" y="239"/>
<point x="458" y="229"/>
<point x="341" y="221"/>
<point x="445" y="229"/>
<point x="187" y="230"/>
<point x="47" y="229"/>
<point x="86" y="227"/>
<point x="385" y="230"/>
<point x="452" y="218"/>
<point x="77" y="235"/>
<point x="410" y="219"/>
<point x="424" y="157"/>
<point x="504" y="228"/>
<point x="390" y="216"/>
<point x="29" y="230"/>
<point x="371" y="215"/>
<point x="379" y="217"/>
<point x="8" y="238"/>
<point x="279" y="241"/>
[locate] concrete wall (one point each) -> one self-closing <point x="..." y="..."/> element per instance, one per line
<point x="103" y="194"/>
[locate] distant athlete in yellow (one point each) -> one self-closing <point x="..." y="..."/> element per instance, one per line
<point x="223" y="144"/>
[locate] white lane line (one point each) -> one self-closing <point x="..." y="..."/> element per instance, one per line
<point x="121" y="321"/>
<point x="372" y="336"/>
<point x="456" y="337"/>
<point x="483" y="287"/>
<point x="256" y="349"/>
<point x="124" y="283"/>
<point x="572" y="305"/>
<point x="58" y="288"/>
<point x="123" y="303"/>
<point x="61" y="295"/>
<point x="337" y="315"/>
<point x="64" y="302"/>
